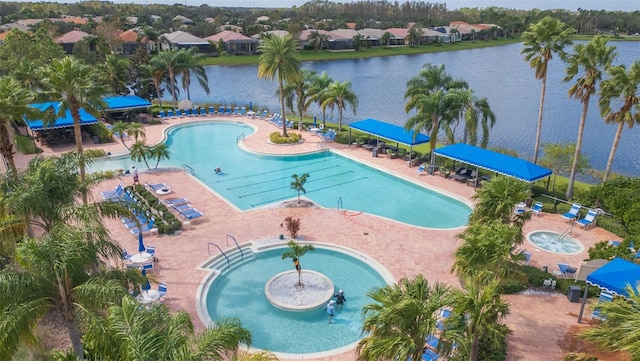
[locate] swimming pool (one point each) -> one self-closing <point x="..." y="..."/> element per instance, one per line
<point x="250" y="180"/>
<point x="240" y="293"/>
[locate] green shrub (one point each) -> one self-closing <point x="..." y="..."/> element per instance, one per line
<point x="511" y="287"/>
<point x="99" y="129"/>
<point x="535" y="276"/>
<point x="94" y="153"/>
<point x="277" y="138"/>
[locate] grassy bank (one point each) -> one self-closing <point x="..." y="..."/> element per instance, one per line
<point x="310" y="55"/>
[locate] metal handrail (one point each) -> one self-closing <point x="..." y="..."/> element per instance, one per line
<point x="339" y="206"/>
<point x="186" y="167"/>
<point x="236" y="242"/>
<point x="219" y="249"/>
<point x="241" y="136"/>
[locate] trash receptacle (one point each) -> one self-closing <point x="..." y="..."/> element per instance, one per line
<point x="375" y="152"/>
<point x="574" y="294"/>
<point x="431" y="169"/>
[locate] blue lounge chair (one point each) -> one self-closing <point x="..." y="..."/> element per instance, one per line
<point x="573" y="212"/>
<point x="432" y="341"/>
<point x="170" y="114"/>
<point x="203" y="111"/>
<point x="155" y="187"/>
<point x="566" y="271"/>
<point x="221" y="110"/>
<point x="145" y="228"/>
<point x="263" y="115"/>
<point x="114" y="194"/>
<point x="193" y="215"/>
<point x="420" y="169"/>
<point x="228" y="111"/>
<point x="430" y="355"/>
<point x="589" y="220"/>
<point x="181" y="207"/>
<point x="236" y="111"/>
<point x="537" y="208"/>
<point x="161" y="114"/>
<point x="211" y="110"/>
<point x="243" y="111"/>
<point x="162" y="289"/>
<point x="176" y="202"/>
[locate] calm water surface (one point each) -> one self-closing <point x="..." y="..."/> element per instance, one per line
<point x="500" y="74"/>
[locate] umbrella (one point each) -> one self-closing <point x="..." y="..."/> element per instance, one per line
<point x="314" y="121"/>
<point x="146" y="286"/>
<point x="250" y="105"/>
<point x="141" y="247"/>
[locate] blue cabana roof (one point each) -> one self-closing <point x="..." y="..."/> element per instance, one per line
<point x="64" y="122"/>
<point x="615" y="276"/>
<point x="124" y="103"/>
<point x="494" y="161"/>
<point x="389" y="131"/>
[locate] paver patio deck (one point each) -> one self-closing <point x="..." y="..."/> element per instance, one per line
<point x="538" y="322"/>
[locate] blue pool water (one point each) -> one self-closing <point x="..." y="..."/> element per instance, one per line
<point x="250" y="180"/>
<point x="240" y="293"/>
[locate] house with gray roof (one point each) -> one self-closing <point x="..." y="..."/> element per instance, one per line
<point x="69" y="40"/>
<point x="183" y="40"/>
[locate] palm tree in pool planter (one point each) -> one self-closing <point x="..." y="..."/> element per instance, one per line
<point x="298" y="182"/>
<point x="295" y="252"/>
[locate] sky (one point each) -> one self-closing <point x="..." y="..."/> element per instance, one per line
<point x="610" y="5"/>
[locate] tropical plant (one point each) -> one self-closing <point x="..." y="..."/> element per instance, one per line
<point x="386" y="38"/>
<point x="115" y="72"/>
<point x="299" y="92"/>
<point x="622" y="322"/>
<point x="400" y="318"/>
<point x="317" y="92"/>
<point x="497" y="200"/>
<point x="190" y="62"/>
<point x="480" y="309"/>
<point x="428" y="95"/>
<point x="475" y="112"/>
<point x="487" y="247"/>
<point x="558" y="158"/>
<point x="74" y="86"/>
<point x="159" y="152"/>
<point x="295" y="252"/>
<point x="318" y="40"/>
<point x="625" y="86"/>
<point x="358" y="40"/>
<point x="591" y="59"/>
<point x="57" y="272"/>
<point x="156" y="72"/>
<point x="140" y="152"/>
<point x="278" y="59"/>
<point x="131" y="332"/>
<point x="293" y="226"/>
<point x="413" y="36"/>
<point x="298" y="184"/>
<point x="166" y="65"/>
<point x="123" y="130"/>
<point x="542" y="40"/>
<point x="15" y="101"/>
<point x="340" y="95"/>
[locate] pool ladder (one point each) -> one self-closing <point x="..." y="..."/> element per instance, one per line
<point x="237" y="246"/>
<point x="339" y="206"/>
<point x="221" y="252"/>
<point x="186" y="168"/>
<point x="240" y="137"/>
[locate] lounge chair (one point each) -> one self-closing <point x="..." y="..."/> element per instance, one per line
<point x="589" y="220"/>
<point x="432" y="341"/>
<point x="161" y="114"/>
<point x="114" y="194"/>
<point x="176" y="202"/>
<point x="566" y="271"/>
<point x="162" y="289"/>
<point x="211" y="110"/>
<point x="156" y="187"/>
<point x="145" y="228"/>
<point x="573" y="212"/>
<point x="430" y="355"/>
<point x="421" y="168"/>
<point x="462" y="174"/>
<point x="181" y="207"/>
<point x="537" y="208"/>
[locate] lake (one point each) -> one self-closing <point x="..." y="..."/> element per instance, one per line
<point x="499" y="73"/>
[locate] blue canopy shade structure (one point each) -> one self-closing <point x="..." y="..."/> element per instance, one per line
<point x="124" y="103"/>
<point x="494" y="161"/>
<point x="389" y="131"/>
<point x="63" y="122"/>
<point x="614" y="276"/>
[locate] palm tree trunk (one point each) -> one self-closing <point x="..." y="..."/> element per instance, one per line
<point x="339" y="119"/>
<point x="576" y="155"/>
<point x="173" y="90"/>
<point x="284" y="119"/>
<point x="76" y="339"/>
<point x="324" y="117"/>
<point x="432" y="142"/>
<point x="157" y="86"/>
<point x="75" y="114"/>
<point x="6" y="149"/>
<point x="612" y="154"/>
<point x="536" y="147"/>
<point x="473" y="355"/>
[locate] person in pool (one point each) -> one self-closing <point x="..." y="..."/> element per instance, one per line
<point x="331" y="311"/>
<point x="218" y="170"/>
<point x="340" y="299"/>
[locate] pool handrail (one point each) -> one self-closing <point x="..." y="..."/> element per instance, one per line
<point x="237" y="245"/>
<point x="186" y="167"/>
<point x="221" y="252"/>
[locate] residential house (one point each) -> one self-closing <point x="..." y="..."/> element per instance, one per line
<point x="428" y="36"/>
<point x="183" y="20"/>
<point x="9" y="26"/>
<point x="341" y="39"/>
<point x="271" y="32"/>
<point x="234" y="43"/>
<point x="262" y="19"/>
<point x="398" y="35"/>
<point x="130" y="42"/>
<point x="303" y="38"/>
<point x="183" y="40"/>
<point x="372" y="36"/>
<point x="68" y="40"/>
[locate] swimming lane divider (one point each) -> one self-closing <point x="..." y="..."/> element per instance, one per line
<point x="272" y="171"/>
<point x="276" y="179"/>
<point x="287" y="187"/>
<point x="309" y="191"/>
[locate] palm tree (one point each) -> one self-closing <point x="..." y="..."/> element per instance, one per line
<point x="156" y="72"/>
<point x="298" y="183"/>
<point x="165" y="65"/>
<point x="122" y="130"/>
<point x="625" y="86"/>
<point x="480" y="307"/>
<point x="487" y="247"/>
<point x="591" y="58"/>
<point x="190" y="62"/>
<point x="317" y="40"/>
<point x="295" y="252"/>
<point x="159" y="152"/>
<point x="318" y="91"/>
<point x="279" y="59"/>
<point x="400" y="319"/>
<point x="475" y="112"/>
<point x="541" y="41"/>
<point x="14" y="104"/>
<point x="57" y="272"/>
<point x="131" y="332"/>
<point x="74" y="86"/>
<point x="298" y="92"/>
<point x="339" y="95"/>
<point x="413" y="36"/>
<point x="617" y="332"/>
<point x="497" y="200"/>
<point x="140" y="152"/>
<point x="115" y="72"/>
<point x="385" y="38"/>
<point x="428" y="95"/>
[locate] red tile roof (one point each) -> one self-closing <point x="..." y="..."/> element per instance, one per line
<point x="227" y="35"/>
<point x="71" y="37"/>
